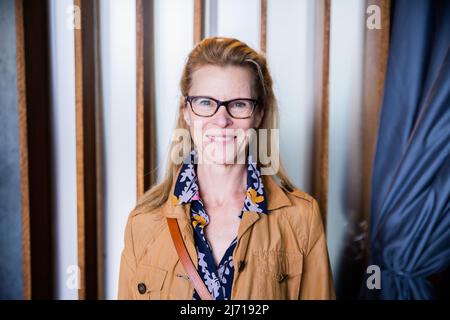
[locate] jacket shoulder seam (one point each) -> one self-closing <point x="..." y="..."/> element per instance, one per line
<point x="301" y="195"/>
<point x="155" y="227"/>
<point x="136" y="211"/>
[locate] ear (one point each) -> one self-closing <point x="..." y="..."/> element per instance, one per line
<point x="187" y="116"/>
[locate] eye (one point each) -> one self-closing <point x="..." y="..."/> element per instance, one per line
<point x="204" y="102"/>
<point x="240" y="104"/>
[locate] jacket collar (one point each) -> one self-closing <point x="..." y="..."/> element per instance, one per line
<point x="276" y="196"/>
<point x="276" y="199"/>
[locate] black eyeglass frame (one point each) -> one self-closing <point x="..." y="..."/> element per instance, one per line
<point x="222" y="103"/>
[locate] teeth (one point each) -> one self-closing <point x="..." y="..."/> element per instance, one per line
<point x="222" y="138"/>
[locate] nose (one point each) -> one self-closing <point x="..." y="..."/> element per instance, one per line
<point x="222" y="118"/>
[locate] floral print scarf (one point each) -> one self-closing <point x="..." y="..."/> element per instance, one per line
<point x="218" y="279"/>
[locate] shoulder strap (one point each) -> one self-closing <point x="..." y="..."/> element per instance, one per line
<point x="186" y="260"/>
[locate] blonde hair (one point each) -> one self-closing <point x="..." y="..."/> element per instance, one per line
<point x="221" y="52"/>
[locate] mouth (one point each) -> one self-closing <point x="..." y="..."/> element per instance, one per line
<point x="221" y="138"/>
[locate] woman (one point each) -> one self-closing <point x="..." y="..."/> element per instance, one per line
<point x="248" y="236"/>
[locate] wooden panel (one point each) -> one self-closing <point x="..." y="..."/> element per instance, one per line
<point x="145" y="98"/>
<point x="23" y="147"/>
<point x="321" y="109"/>
<point x="263" y="32"/>
<point x="199" y="25"/>
<point x="376" y="49"/>
<point x="33" y="72"/>
<point x="88" y="149"/>
<point x="140" y="148"/>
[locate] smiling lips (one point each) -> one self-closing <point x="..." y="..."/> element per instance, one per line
<point x="221" y="138"/>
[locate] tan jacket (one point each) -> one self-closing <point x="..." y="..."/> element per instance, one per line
<point x="281" y="255"/>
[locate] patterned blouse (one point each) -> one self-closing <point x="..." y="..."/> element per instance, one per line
<point x="218" y="279"/>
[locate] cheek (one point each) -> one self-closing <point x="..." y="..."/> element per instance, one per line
<point x="197" y="127"/>
<point x="246" y="131"/>
<point x="197" y="121"/>
<point x="246" y="124"/>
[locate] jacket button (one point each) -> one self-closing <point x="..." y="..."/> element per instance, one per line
<point x="241" y="265"/>
<point x="281" y="277"/>
<point x="142" y="288"/>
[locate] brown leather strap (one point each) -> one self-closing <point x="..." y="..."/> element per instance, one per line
<point x="186" y="260"/>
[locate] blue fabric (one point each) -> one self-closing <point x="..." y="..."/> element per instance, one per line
<point x="218" y="279"/>
<point x="410" y="220"/>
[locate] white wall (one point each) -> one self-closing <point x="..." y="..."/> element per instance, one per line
<point x="290" y="56"/>
<point x="346" y="53"/>
<point x="173" y="42"/>
<point x="64" y="157"/>
<point x="239" y="19"/>
<point x="118" y="42"/>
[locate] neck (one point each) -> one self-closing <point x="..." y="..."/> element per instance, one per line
<point x="218" y="182"/>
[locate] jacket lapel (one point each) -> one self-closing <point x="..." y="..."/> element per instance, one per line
<point x="187" y="231"/>
<point x="182" y="214"/>
<point x="249" y="218"/>
<point x="276" y="199"/>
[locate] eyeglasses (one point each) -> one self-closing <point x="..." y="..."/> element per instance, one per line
<point x="240" y="108"/>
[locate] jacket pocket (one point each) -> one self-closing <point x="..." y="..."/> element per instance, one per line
<point x="279" y="274"/>
<point x="148" y="282"/>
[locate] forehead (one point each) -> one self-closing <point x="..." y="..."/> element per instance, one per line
<point x="222" y="83"/>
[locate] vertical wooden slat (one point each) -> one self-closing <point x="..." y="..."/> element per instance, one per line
<point x="321" y="110"/>
<point x="33" y="70"/>
<point x="145" y="98"/>
<point x="23" y="147"/>
<point x="87" y="109"/>
<point x="199" y="27"/>
<point x="376" y="49"/>
<point x="263" y="32"/>
<point x="140" y="147"/>
<point x="79" y="155"/>
<point x="100" y="152"/>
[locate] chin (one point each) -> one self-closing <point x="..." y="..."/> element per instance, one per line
<point x="220" y="154"/>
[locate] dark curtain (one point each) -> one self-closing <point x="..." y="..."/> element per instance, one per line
<point x="410" y="220"/>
